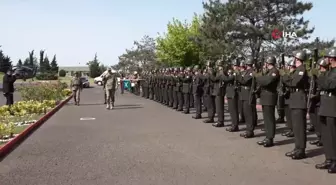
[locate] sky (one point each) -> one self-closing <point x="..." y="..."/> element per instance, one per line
<point x="75" y="30"/>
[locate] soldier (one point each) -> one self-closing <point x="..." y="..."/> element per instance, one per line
<point x="205" y="88"/>
<point x="286" y="94"/>
<point x="247" y="98"/>
<point x="179" y="88"/>
<point x="150" y="85"/>
<point x="209" y="85"/>
<point x="175" y="88"/>
<point x="268" y="99"/>
<point x="297" y="81"/>
<point x="219" y="93"/>
<point x="232" y="96"/>
<point x="187" y="80"/>
<point x="327" y="84"/>
<point x="240" y="102"/>
<point x="171" y="85"/>
<point x="197" y="87"/>
<point x="110" y="80"/>
<point x="76" y="86"/>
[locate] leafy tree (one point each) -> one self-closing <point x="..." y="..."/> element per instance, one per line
<point x="54" y="65"/>
<point x="94" y="67"/>
<point x="62" y="73"/>
<point x="19" y="63"/>
<point x="176" y="46"/>
<point x="42" y="65"/>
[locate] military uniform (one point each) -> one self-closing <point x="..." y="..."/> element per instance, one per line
<point x="171" y="85"/>
<point x="248" y="101"/>
<point x="151" y="86"/>
<point x="268" y="99"/>
<point x="327" y="85"/>
<point x="232" y="98"/>
<point x="76" y="87"/>
<point x="219" y="93"/>
<point x="175" y="89"/>
<point x="297" y="82"/>
<point x="111" y="86"/>
<point x="197" y="90"/>
<point x="211" y="104"/>
<point x="179" y="90"/>
<point x="186" y="89"/>
<point x="288" y="114"/>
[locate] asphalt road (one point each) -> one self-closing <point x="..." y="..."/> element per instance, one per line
<point x="144" y="143"/>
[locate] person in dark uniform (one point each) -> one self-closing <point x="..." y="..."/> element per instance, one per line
<point x="286" y="94"/>
<point x="192" y="100"/>
<point x="240" y="102"/>
<point x="171" y="87"/>
<point x="166" y="87"/>
<point x="8" y="86"/>
<point x="175" y="88"/>
<point x="314" y="107"/>
<point x="205" y="88"/>
<point x="197" y="88"/>
<point x="297" y="81"/>
<point x="268" y="83"/>
<point x="327" y="85"/>
<point x="150" y="86"/>
<point x="281" y="99"/>
<point x="232" y="96"/>
<point x="179" y="92"/>
<point x="187" y="80"/>
<point x="211" y="107"/>
<point x="245" y="95"/>
<point x="219" y="93"/>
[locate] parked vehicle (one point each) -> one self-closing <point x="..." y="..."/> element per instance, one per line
<point x="86" y="83"/>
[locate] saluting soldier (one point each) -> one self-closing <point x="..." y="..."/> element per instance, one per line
<point x="286" y="94"/>
<point x="175" y="88"/>
<point x="151" y="85"/>
<point x="246" y="97"/>
<point x="110" y="79"/>
<point x="171" y="87"/>
<point x="211" y="106"/>
<point x="179" y="88"/>
<point x="297" y="81"/>
<point x="205" y="88"/>
<point x="197" y="87"/>
<point x="187" y="80"/>
<point x="219" y="93"/>
<point x="232" y="95"/>
<point x="327" y="85"/>
<point x="268" y="99"/>
<point x="240" y="102"/>
<point x="76" y="86"/>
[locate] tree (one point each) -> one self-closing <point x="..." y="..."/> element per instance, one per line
<point x="54" y="65"/>
<point x="32" y="60"/>
<point x="26" y="62"/>
<point x="19" y="63"/>
<point x="5" y="62"/>
<point x="62" y="73"/>
<point x="176" y="46"/>
<point x="46" y="64"/>
<point x="94" y="67"/>
<point x="42" y="65"/>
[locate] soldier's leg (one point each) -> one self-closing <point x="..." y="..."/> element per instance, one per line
<point x="241" y="111"/>
<point x="192" y="101"/>
<point x="219" y="102"/>
<point x="198" y="106"/>
<point x="331" y="124"/>
<point x="280" y="109"/>
<point x="108" y="98"/>
<point x="233" y="110"/>
<point x="300" y="134"/>
<point x="211" y="109"/>
<point x="205" y="102"/>
<point x="249" y="119"/>
<point x="269" y="123"/>
<point x="104" y="90"/>
<point x="327" y="144"/>
<point x="175" y="104"/>
<point x="78" y="96"/>
<point x="167" y="96"/>
<point x="186" y="103"/>
<point x="112" y="99"/>
<point x="180" y="101"/>
<point x="74" y="96"/>
<point x="171" y="97"/>
<point x="289" y="125"/>
<point x="315" y="121"/>
<point x="147" y="92"/>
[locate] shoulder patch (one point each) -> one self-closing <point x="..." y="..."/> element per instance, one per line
<point x="273" y="74"/>
<point x="301" y="73"/>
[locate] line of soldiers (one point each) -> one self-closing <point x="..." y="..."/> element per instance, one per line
<point x="242" y="84"/>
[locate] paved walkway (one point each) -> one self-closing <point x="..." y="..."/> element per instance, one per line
<point x="144" y="143"/>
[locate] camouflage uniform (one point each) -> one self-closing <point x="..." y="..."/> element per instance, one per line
<point x="76" y="87"/>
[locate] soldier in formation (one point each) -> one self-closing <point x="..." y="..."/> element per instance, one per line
<point x="241" y="84"/>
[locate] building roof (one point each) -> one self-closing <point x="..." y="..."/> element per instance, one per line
<point x="74" y="68"/>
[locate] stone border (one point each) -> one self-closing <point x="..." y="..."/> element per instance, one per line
<point x="10" y="145"/>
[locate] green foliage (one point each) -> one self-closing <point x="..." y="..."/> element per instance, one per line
<point x="19" y="63"/>
<point x="54" y="65"/>
<point x="43" y="91"/>
<point x="62" y="73"/>
<point x="176" y="47"/>
<point x="46" y="76"/>
<point x="95" y="67"/>
<point x="5" y="62"/>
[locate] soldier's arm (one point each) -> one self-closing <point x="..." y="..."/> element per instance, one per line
<point x="295" y="79"/>
<point x="267" y="80"/>
<point x="329" y="84"/>
<point x="228" y="79"/>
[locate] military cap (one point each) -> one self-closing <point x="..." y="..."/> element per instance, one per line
<point x="331" y="53"/>
<point x="323" y="62"/>
<point x="271" y="60"/>
<point x="290" y="62"/>
<point x="301" y="55"/>
<point x="249" y="61"/>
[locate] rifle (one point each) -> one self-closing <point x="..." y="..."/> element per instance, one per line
<point x="281" y="88"/>
<point x="253" y="89"/>
<point x="312" y="84"/>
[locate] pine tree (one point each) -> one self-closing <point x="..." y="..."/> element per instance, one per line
<point x="94" y="67"/>
<point x="46" y="63"/>
<point x="26" y="62"/>
<point x="19" y="63"/>
<point x="5" y="62"/>
<point x="54" y="65"/>
<point x="42" y="65"/>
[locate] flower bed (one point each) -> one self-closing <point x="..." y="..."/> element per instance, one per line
<point x="38" y="99"/>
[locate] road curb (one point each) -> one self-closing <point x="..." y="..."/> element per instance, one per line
<point x="8" y="147"/>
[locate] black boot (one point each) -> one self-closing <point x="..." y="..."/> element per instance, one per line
<point x="332" y="168"/>
<point x="218" y="124"/>
<point x="324" y="166"/>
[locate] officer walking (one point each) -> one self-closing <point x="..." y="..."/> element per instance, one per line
<point x="219" y="93"/>
<point x="268" y="99"/>
<point x="327" y="84"/>
<point x="111" y="86"/>
<point x="232" y="96"/>
<point x="76" y="87"/>
<point x="197" y="87"/>
<point x="297" y="81"/>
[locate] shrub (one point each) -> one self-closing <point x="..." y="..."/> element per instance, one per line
<point x="62" y="73"/>
<point x="43" y="91"/>
<point x="46" y="76"/>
